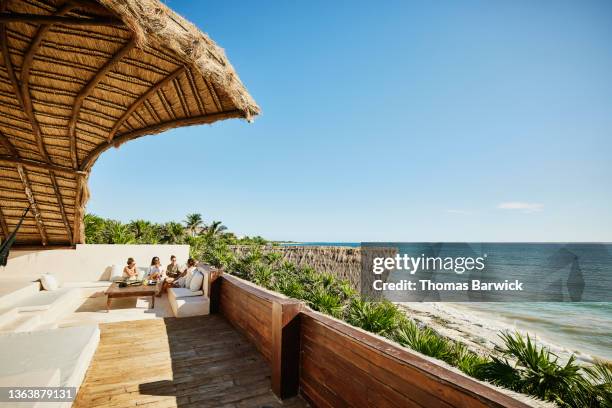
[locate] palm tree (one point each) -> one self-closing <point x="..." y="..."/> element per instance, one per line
<point x="193" y="223"/>
<point x="118" y="233"/>
<point x="173" y="233"/>
<point x="143" y="231"/>
<point x="215" y="228"/>
<point x="94" y="228"/>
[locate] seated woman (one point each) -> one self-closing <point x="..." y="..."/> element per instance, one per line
<point x="156" y="271"/>
<point x="130" y="270"/>
<point x="181" y="280"/>
<point x="185" y="278"/>
<point x="173" y="270"/>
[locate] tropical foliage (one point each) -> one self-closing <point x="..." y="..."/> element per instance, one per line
<point x="519" y="365"/>
<point x="193" y="231"/>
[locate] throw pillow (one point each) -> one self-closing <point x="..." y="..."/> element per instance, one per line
<point x="116" y="273"/>
<point x="48" y="281"/>
<point x="196" y="281"/>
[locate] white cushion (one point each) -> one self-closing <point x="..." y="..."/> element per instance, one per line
<point x="48" y="281"/>
<point x="190" y="306"/>
<point x="183" y="292"/>
<point x="116" y="273"/>
<point x="68" y="350"/>
<point x="196" y="281"/>
<point x="49" y="377"/>
<point x="188" y="276"/>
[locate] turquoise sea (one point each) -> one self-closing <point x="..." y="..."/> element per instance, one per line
<point x="582" y="326"/>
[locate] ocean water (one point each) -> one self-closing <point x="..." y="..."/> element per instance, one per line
<point x="580" y="326"/>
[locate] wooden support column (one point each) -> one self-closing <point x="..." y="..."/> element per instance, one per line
<point x="3" y="225"/>
<point x="286" y="347"/>
<point x="214" y="290"/>
<point x="82" y="195"/>
<point x="23" y="174"/>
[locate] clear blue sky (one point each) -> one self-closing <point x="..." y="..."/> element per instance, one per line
<point x="405" y="121"/>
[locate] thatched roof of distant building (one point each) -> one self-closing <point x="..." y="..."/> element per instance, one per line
<point x="78" y="77"/>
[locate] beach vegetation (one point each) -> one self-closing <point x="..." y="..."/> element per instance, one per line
<point x="524" y="366"/>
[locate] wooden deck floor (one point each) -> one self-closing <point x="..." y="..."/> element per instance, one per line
<point x="189" y="362"/>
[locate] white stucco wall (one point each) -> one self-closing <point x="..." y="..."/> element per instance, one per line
<point x="86" y="262"/>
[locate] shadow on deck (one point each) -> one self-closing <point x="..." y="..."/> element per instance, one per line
<point x="188" y="362"/>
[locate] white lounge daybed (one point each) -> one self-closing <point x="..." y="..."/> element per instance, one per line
<point x="57" y="357"/>
<point x="191" y="301"/>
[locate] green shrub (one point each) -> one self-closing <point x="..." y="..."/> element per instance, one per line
<point x="424" y="340"/>
<point x="377" y="317"/>
<point x="467" y="361"/>
<point x="531" y="369"/>
<point x="599" y="386"/>
<point x="323" y="301"/>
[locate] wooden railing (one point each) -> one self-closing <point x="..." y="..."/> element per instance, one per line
<point x="333" y="364"/>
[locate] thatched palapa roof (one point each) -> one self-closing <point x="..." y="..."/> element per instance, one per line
<point x="78" y="77"/>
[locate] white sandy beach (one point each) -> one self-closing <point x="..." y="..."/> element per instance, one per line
<point x="476" y="330"/>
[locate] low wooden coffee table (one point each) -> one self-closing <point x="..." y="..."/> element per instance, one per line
<point x="114" y="291"/>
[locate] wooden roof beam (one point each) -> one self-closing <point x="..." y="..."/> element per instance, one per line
<point x="141" y="100"/>
<point x="87" y="89"/>
<point x="23" y="174"/>
<point x="4" y="141"/>
<point x="24" y="88"/>
<point x="40" y="165"/>
<point x="6" y="55"/>
<point x="54" y="19"/>
<point x="7" y="143"/>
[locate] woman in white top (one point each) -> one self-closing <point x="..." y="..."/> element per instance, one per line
<point x="185" y="278"/>
<point x="156" y="270"/>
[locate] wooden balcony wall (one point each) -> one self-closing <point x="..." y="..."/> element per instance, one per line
<point x="332" y="364"/>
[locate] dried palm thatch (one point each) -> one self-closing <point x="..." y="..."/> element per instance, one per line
<point x="80" y="76"/>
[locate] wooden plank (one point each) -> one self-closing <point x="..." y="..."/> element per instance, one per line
<point x="198" y="361"/>
<point x="396" y="366"/>
<point x="364" y="363"/>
